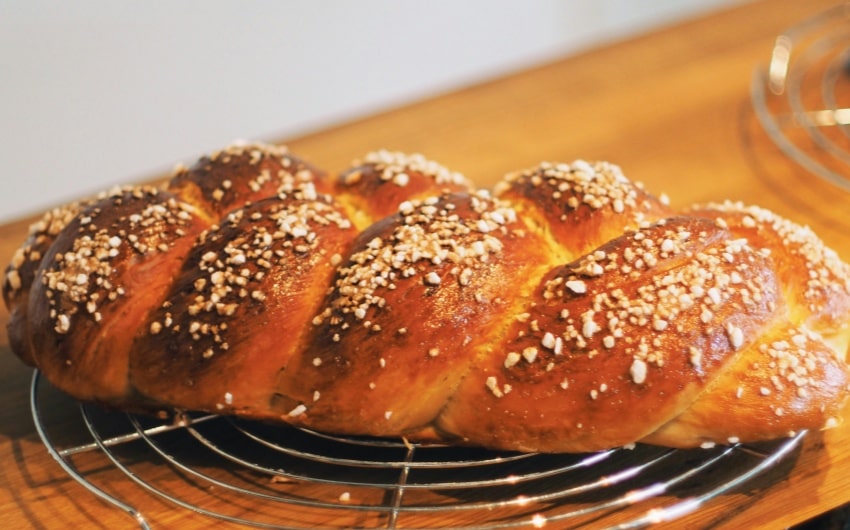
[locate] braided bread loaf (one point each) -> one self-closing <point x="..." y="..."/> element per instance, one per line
<point x="567" y="311"/>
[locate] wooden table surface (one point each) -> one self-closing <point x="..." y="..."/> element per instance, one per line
<point x="672" y="108"/>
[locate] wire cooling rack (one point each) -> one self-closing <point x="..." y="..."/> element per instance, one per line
<point x="273" y="476"/>
<point x="802" y="95"/>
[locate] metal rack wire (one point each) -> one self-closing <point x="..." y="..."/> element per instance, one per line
<point x="802" y="96"/>
<point x="274" y="476"/>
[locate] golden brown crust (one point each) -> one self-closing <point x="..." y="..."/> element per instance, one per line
<point x="98" y="280"/>
<point x="580" y="206"/>
<point x="634" y="330"/>
<point x="815" y="281"/>
<point x="240" y="174"/>
<point x="21" y="272"/>
<point x="374" y="187"/>
<point x="783" y="382"/>
<point x="570" y="311"/>
<point x="422" y="296"/>
<point x="235" y="314"/>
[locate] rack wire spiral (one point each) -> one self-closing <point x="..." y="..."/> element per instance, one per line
<point x="273" y="476"/>
<point x="802" y="96"/>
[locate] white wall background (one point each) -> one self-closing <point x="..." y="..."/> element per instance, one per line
<point x="101" y="92"/>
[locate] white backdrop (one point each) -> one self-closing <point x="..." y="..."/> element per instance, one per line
<point x="101" y="92"/>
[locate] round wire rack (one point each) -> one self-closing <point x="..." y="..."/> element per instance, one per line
<point x="273" y="476"/>
<point x="802" y="96"/>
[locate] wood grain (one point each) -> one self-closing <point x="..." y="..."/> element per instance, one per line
<point x="671" y="108"/>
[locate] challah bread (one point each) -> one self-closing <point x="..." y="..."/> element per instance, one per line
<point x="569" y="310"/>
